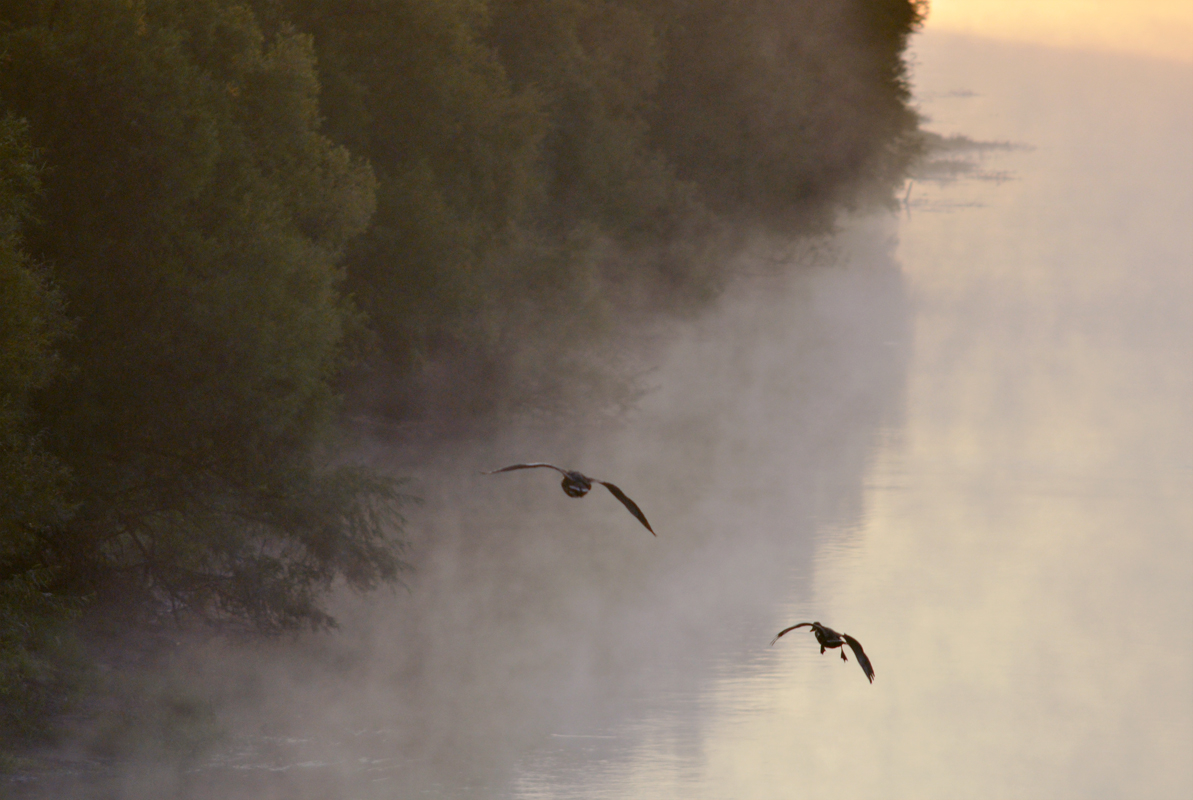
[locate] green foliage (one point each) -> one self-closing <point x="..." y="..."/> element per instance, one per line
<point x="783" y="111"/>
<point x="194" y="215"/>
<point x="38" y="664"/>
<point x="409" y="85"/>
<point x="524" y="160"/>
<point x="492" y="184"/>
<point x="613" y="143"/>
<point x="31" y="318"/>
<point x="439" y="207"/>
<point x="597" y="65"/>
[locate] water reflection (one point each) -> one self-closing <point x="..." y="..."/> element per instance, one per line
<point x="967" y="444"/>
<point x="552" y="648"/>
<point x="1018" y="561"/>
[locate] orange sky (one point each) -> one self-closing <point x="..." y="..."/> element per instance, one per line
<point x="1159" y="28"/>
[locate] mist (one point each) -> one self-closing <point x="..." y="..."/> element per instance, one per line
<point x="958" y="430"/>
<point x="533" y="621"/>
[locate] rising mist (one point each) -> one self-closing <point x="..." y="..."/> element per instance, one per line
<point x="288" y="275"/>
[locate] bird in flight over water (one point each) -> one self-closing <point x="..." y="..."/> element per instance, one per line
<point x="576" y="484"/>
<point x="830" y="638"/>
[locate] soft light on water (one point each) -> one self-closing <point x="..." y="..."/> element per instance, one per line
<point x="963" y="436"/>
<point x="1019" y="565"/>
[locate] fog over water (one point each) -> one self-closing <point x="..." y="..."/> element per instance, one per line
<point x="962" y="433"/>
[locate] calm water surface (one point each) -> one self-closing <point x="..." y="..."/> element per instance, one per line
<point x="1015" y="547"/>
<point x="963" y="435"/>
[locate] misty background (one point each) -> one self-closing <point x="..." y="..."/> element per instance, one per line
<point x="955" y="426"/>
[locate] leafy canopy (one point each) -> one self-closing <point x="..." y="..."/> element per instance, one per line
<point x="194" y="215"/>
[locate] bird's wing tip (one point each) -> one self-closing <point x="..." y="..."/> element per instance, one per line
<point x="862" y="659"/>
<point x="788" y="630"/>
<point x="630" y="505"/>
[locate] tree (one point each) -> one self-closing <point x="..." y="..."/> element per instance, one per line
<point x="35" y="672"/>
<point x="409" y="85"/>
<point x="783" y="112"/>
<point x="544" y="165"/>
<point x="195" y="215"/>
<point x="597" y="65"/>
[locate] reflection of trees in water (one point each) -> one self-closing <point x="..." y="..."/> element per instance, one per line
<point x="950" y="158"/>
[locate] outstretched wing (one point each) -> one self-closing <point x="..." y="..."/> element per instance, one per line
<point x="861" y="656"/>
<point x="630" y="504"/>
<point x="524" y="466"/>
<point x="787" y="630"/>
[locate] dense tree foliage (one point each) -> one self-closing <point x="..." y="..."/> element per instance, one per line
<point x="34" y="680"/>
<point x="410" y="86"/>
<point x="193" y="215"/>
<point x="541" y="160"/>
<point x="597" y="66"/>
<point x="217" y="217"/>
<point x="782" y="111"/>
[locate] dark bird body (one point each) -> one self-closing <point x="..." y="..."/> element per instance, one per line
<point x="830" y="638"/>
<point x="576" y="484"/>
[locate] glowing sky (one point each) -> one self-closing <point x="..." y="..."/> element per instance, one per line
<point x="1158" y="28"/>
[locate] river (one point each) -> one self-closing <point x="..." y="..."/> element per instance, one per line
<point x="961" y="431"/>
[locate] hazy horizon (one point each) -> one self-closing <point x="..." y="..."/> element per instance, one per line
<point x="960" y="431"/>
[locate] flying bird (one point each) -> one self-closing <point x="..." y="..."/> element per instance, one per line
<point x="830" y="638"/>
<point x="576" y="484"/>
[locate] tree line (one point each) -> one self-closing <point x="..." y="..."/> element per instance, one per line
<point x="225" y="227"/>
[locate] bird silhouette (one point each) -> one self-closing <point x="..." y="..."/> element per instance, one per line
<point x="830" y="638"/>
<point x="576" y="484"/>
